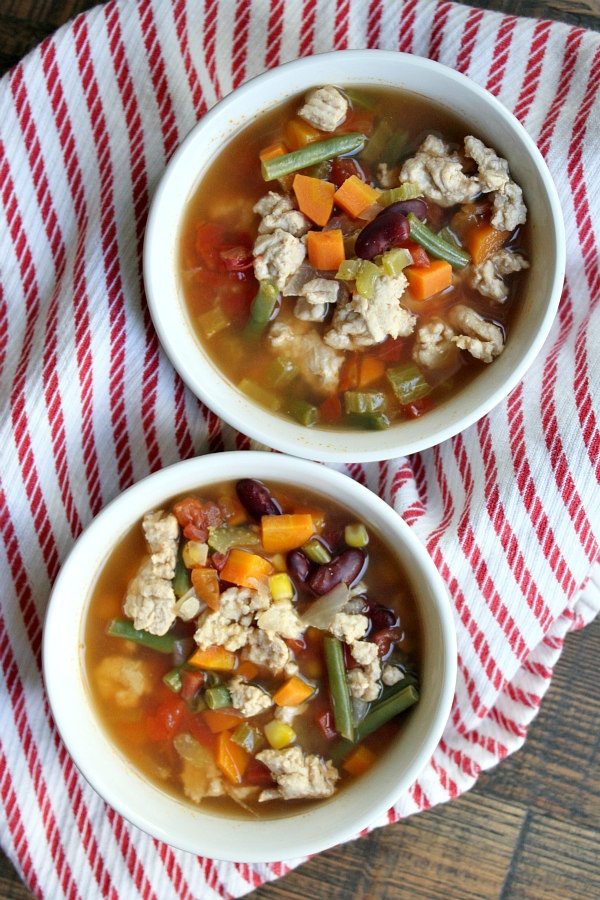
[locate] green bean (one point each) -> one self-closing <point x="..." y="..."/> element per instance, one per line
<point x="123" y="628"/>
<point x="313" y="153"/>
<point x="225" y="537"/>
<point x="181" y="582"/>
<point x="303" y="412"/>
<point x="248" y="737"/>
<point x="217" y="697"/>
<point x="408" y="383"/>
<point x="370" y="422"/>
<point x="360" y="403"/>
<point x="316" y="551"/>
<point x="173" y="680"/>
<point x="435" y="245"/>
<point x="338" y="687"/>
<point x="262" y="309"/>
<point x="385" y="710"/>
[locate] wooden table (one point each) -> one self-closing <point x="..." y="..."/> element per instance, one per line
<point x="530" y="830"/>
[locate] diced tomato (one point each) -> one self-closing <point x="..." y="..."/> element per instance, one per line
<point x="237" y="259"/>
<point x="296" y="646"/>
<point x="418" y="408"/>
<point x="392" y="350"/>
<point x="419" y="255"/>
<point x="237" y="296"/>
<point x="196" y="517"/>
<point x="200" y="730"/>
<point x="257" y="774"/>
<point x="341" y="169"/>
<point x="326" y="725"/>
<point x="330" y="410"/>
<point x="217" y="560"/>
<point x="385" y="638"/>
<point x="191" y="682"/>
<point x="164" y="723"/>
<point x="210" y="240"/>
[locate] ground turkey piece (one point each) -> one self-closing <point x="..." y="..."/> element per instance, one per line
<point x="310" y="312"/>
<point x="277" y="256"/>
<point x="481" y="338"/>
<point x="271" y="652"/>
<point x="314" y="298"/>
<point x="123" y="680"/>
<point x="278" y="211"/>
<point x="162" y="536"/>
<point x="363" y="683"/>
<point x="281" y="619"/>
<point x="238" y="604"/>
<point x="487" y="276"/>
<point x="287" y="714"/>
<point x="198" y="784"/>
<point x="298" y="776"/>
<point x="349" y="628"/>
<point x="439" y="175"/>
<point x="150" y="601"/>
<point x="391" y="675"/>
<point x="250" y="700"/>
<point x="364" y="652"/>
<point x="433" y="347"/>
<point x="213" y="628"/>
<point x="188" y="606"/>
<point x="318" y="363"/>
<point x="325" y="108"/>
<point x="509" y="208"/>
<point x="363" y="323"/>
<point x="387" y="177"/>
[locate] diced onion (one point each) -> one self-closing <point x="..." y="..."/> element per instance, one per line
<point x="322" y="612"/>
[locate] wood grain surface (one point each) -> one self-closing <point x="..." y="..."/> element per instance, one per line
<point x="530" y="830"/>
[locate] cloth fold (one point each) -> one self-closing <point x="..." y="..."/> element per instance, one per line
<point x="509" y="510"/>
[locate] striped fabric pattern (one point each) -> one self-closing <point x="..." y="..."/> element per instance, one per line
<point x="509" y="510"/>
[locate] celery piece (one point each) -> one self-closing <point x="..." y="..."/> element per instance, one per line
<point x="321" y="170"/>
<point x="181" y="579"/>
<point x="435" y="245"/>
<point x="258" y="393"/>
<point x="356" y="535"/>
<point x="348" y="270"/>
<point x="395" y="147"/>
<point x="394" y="261"/>
<point x="408" y="383"/>
<point x="213" y="321"/>
<point x="359" y="403"/>
<point x="359" y="99"/>
<point x="303" y="412"/>
<point x="365" y="280"/>
<point x="317" y="552"/>
<point x="406" y="191"/>
<point x="262" y="309"/>
<point x="281" y="372"/>
<point x="225" y="537"/>
<point x="248" y="737"/>
<point x="376" y="144"/>
<point x="373" y="422"/>
<point x="312" y="154"/>
<point x="217" y="697"/>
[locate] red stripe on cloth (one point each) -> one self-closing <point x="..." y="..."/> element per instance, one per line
<point x="274" y="33"/>
<point x="406" y="26"/>
<point x="214" y="425"/>
<point x="156" y="62"/>
<point x="183" y="36"/>
<point x="440" y="20"/>
<point x="134" y="866"/>
<point x="374" y="22"/>
<point x="531" y="78"/>
<point x="14" y="819"/>
<point x="340" y="27"/>
<point x="501" y="53"/>
<point x="307" y="27"/>
<point x="174" y="871"/>
<point x="239" y="50"/>
<point x="464" y="762"/>
<point x="209" y="40"/>
<point x="468" y="39"/>
<point x="571" y="52"/>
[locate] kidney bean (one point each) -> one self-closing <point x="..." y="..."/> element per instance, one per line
<point x="389" y="229"/>
<point x="256" y="498"/>
<point x="298" y="565"/>
<point x="385" y="639"/>
<point x="346" y="568"/>
<point x="333" y="537"/>
<point x="343" y="168"/>
<point x="382" y="617"/>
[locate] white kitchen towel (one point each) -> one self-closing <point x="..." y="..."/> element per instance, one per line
<point x="509" y="509"/>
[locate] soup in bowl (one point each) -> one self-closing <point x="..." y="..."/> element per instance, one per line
<point x="357" y="254"/>
<point x="249" y="657"/>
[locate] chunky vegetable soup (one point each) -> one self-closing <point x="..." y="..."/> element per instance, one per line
<point x="351" y="259"/>
<point x="252" y="646"/>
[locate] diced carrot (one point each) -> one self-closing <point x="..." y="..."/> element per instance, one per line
<point x="205" y="582"/>
<point x="330" y="410"/>
<point x="371" y="370"/>
<point x="299" y="133"/>
<point x="349" y="373"/>
<point x="354" y="196"/>
<point x="326" y="249"/>
<point x="273" y="150"/>
<point x="425" y="283"/>
<point x="247" y="670"/>
<point x="219" y="720"/>
<point x="214" y="658"/>
<point x="294" y="692"/>
<point x="231" y="759"/>
<point x="315" y="198"/>
<point x="483" y="240"/>
<point x="359" y="761"/>
<point x="244" y="568"/>
<point x="232" y="509"/>
<point x="287" y="532"/>
<point x="318" y="515"/>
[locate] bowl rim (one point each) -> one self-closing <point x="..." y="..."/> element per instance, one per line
<point x="208" y="469"/>
<point x="294" y="441"/>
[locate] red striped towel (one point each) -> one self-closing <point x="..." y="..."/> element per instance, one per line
<point x="509" y="510"/>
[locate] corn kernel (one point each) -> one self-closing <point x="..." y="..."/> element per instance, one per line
<point x="356" y="535"/>
<point x="281" y="587"/>
<point x="278" y="561"/>
<point x="278" y="734"/>
<point x="194" y="553"/>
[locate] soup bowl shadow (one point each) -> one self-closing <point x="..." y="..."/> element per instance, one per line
<point x="488" y="119"/>
<point x="163" y="815"/>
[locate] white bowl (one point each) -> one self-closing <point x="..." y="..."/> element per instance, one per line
<point x="488" y="119"/>
<point x="162" y="815"/>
